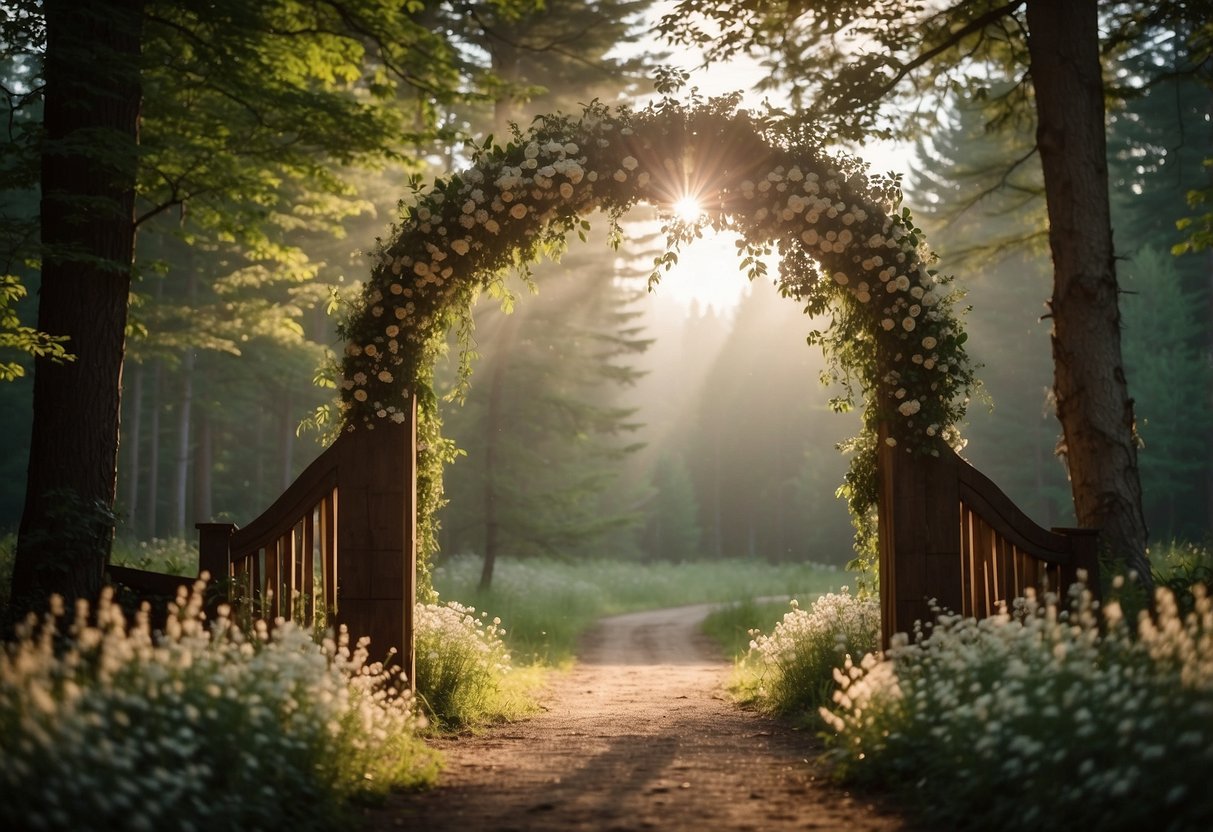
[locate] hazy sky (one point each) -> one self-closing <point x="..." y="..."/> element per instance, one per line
<point x="703" y="273"/>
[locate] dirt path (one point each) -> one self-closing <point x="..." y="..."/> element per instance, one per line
<point x="639" y="735"/>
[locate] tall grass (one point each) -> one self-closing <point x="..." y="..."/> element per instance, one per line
<point x="790" y="671"/>
<point x="546" y="603"/>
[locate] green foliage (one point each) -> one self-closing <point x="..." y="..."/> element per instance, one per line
<point x="172" y="556"/>
<point x="108" y="727"/>
<point x="1046" y="718"/>
<point x="14" y="337"/>
<point x="672" y="530"/>
<point x="544" y="435"/>
<point x="1165" y="337"/>
<point x="463" y="668"/>
<point x="733" y="626"/>
<point x="547" y="604"/>
<point x="791" y="671"/>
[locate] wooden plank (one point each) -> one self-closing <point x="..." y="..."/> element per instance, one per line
<point x="328" y="515"/>
<point x="408" y="656"/>
<point x="997" y="509"/>
<point x="307" y="565"/>
<point x="308" y="488"/>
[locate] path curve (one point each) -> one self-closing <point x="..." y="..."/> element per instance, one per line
<point x="639" y="735"/>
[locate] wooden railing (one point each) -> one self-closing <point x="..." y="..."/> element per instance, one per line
<point x="284" y="563"/>
<point x="340" y="545"/>
<point x="949" y="534"/>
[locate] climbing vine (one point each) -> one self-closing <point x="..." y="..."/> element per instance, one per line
<point x="848" y="251"/>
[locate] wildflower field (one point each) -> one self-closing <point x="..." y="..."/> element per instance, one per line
<point x="1059" y="714"/>
<point x="105" y="727"/>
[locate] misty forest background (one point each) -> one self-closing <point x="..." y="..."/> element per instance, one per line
<point x="604" y="420"/>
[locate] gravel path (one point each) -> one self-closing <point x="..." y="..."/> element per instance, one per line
<point x="639" y="735"/>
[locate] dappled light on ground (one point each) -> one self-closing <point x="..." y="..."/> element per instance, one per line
<point x="639" y="735"/>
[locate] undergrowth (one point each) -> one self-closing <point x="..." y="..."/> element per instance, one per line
<point x="107" y="726"/>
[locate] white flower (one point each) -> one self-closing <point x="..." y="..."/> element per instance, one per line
<point x="629" y="163"/>
<point x="907" y="324"/>
<point x="887" y="324"/>
<point x="620" y="176"/>
<point x="929" y="343"/>
<point x="909" y="408"/>
<point x="518" y="211"/>
<point x="840" y="278"/>
<point x="566" y="190"/>
<point x="460" y="247"/>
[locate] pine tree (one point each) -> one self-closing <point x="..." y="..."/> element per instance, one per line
<point x="1164" y="340"/>
<point x="542" y="428"/>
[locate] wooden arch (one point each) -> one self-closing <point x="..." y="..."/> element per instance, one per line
<point x="347" y="534"/>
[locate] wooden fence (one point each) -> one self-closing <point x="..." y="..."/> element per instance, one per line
<point x="341" y="542"/>
<point x="950" y="534"/>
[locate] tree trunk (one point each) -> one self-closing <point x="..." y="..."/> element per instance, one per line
<point x="494" y="431"/>
<point x="286" y="444"/>
<point x="89" y="157"/>
<point x="152" y="493"/>
<point x="131" y="441"/>
<point x="203" y="465"/>
<point x="1093" y="401"/>
<point x="185" y="413"/>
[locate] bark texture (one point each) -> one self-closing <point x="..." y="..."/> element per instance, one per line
<point x="89" y="155"/>
<point x="1093" y="401"/>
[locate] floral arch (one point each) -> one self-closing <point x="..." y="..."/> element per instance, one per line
<point x="847" y="250"/>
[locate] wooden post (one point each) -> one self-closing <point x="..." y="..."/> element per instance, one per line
<point x="919" y="530"/>
<point x="377" y="537"/>
<point x="1085" y="546"/>
<point x="214" y="549"/>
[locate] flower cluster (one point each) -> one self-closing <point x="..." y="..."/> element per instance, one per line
<point x="468" y="227"/>
<point x="1038" y="719"/>
<point x="795" y="663"/>
<point x="114" y="728"/>
<point x="460" y="657"/>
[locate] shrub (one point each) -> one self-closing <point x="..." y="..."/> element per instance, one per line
<point x="794" y="665"/>
<point x="461" y="660"/>
<point x="1038" y="720"/>
<point x="107" y="727"/>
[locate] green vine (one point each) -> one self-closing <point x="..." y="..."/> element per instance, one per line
<point x="848" y="250"/>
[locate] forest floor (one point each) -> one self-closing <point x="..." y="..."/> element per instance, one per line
<point x="640" y="734"/>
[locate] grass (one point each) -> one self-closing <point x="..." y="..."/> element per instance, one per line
<point x="731" y="626"/>
<point x="546" y="604"/>
<point x="465" y="674"/>
<point x="789" y="670"/>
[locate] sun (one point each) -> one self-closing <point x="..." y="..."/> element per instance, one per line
<point x="688" y="209"/>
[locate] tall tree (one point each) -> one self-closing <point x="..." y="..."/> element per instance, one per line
<point x="542" y="427"/>
<point x="89" y="155"/>
<point x="294" y="86"/>
<point x="861" y="68"/>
